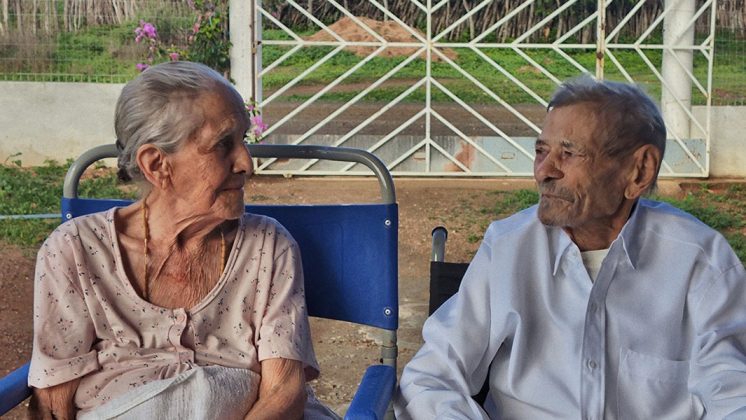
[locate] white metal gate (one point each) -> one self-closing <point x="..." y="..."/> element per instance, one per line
<point x="429" y="126"/>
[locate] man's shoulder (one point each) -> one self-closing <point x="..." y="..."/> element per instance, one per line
<point x="658" y="213"/>
<point x="678" y="227"/>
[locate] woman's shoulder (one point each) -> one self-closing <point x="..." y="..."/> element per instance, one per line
<point x="79" y="232"/>
<point x="261" y="225"/>
<point x="96" y="224"/>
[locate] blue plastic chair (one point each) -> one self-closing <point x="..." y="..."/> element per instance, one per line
<point x="349" y="254"/>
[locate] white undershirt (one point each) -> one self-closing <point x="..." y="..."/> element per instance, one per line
<point x="592" y="261"/>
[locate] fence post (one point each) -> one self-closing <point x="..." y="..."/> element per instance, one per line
<point x="600" y="39"/>
<point x="676" y="92"/>
<point x="241" y="21"/>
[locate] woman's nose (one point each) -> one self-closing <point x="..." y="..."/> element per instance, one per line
<point x="244" y="162"/>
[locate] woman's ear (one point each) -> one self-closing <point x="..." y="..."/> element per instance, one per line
<point x="154" y="165"/>
<point x="645" y="162"/>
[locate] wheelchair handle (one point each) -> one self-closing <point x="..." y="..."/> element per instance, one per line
<point x="440" y="235"/>
<point x="290" y="151"/>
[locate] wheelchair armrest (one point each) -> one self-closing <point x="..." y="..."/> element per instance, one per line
<point x="374" y="393"/>
<point x="14" y="389"/>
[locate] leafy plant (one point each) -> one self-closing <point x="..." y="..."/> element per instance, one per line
<point x="210" y="43"/>
<point x="207" y="43"/>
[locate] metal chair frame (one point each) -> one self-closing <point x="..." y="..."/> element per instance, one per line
<point x="350" y="263"/>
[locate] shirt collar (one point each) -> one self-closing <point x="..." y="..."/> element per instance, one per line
<point x="561" y="243"/>
<point x="627" y="240"/>
<point x="632" y="232"/>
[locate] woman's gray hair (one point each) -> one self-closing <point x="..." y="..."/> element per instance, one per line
<point x="156" y="107"/>
<point x="629" y="118"/>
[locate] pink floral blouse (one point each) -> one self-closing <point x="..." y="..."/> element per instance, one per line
<point x="89" y="323"/>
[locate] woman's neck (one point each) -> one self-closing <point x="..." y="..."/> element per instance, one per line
<point x="171" y="226"/>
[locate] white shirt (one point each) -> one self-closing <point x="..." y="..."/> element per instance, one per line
<point x="661" y="333"/>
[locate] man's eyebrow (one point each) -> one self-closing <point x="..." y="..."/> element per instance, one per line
<point x="540" y="142"/>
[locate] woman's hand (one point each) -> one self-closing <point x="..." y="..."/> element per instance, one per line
<point x="282" y="392"/>
<point x="54" y="402"/>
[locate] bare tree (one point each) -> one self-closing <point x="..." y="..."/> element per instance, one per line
<point x="4" y="23"/>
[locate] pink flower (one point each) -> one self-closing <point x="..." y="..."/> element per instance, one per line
<point x="145" y="30"/>
<point x="249" y="107"/>
<point x="141" y="67"/>
<point x="174" y="56"/>
<point x="149" y="30"/>
<point x="258" y="125"/>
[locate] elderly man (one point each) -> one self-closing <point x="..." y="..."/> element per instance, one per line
<point x="595" y="303"/>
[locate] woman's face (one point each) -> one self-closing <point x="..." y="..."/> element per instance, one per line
<point x="210" y="169"/>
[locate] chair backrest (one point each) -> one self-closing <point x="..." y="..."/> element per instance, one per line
<point x="349" y="251"/>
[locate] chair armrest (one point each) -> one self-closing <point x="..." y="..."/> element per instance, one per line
<point x="14" y="389"/>
<point x="374" y="393"/>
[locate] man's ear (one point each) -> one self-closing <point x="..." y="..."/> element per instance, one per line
<point x="645" y="162"/>
<point x="154" y="165"/>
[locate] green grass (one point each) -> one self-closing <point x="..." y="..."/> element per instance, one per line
<point x="108" y="54"/>
<point x="38" y="191"/>
<point x="98" y="54"/>
<point x="510" y="202"/>
<point x="729" y="72"/>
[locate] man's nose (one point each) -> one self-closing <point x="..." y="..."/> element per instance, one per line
<point x="546" y="168"/>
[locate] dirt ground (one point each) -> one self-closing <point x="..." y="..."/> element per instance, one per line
<point x="343" y="350"/>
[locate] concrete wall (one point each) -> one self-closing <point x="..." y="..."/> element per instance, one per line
<point x="61" y="120"/>
<point x="728" y="145"/>
<point x="54" y="120"/>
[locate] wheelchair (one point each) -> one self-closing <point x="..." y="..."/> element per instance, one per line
<point x="350" y="263"/>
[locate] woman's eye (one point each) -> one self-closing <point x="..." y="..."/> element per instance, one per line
<point x="225" y="143"/>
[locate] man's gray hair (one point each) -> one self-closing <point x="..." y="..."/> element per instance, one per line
<point x="629" y="118"/>
<point x="157" y="107"/>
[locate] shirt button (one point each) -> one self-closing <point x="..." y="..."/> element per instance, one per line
<point x="592" y="364"/>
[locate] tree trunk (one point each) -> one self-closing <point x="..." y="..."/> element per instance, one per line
<point x="47" y="15"/>
<point x="19" y="16"/>
<point x="34" y="15"/>
<point x="4" y="24"/>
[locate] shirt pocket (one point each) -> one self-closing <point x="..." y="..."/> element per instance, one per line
<point x="650" y="387"/>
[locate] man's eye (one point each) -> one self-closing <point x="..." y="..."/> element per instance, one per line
<point x="567" y="153"/>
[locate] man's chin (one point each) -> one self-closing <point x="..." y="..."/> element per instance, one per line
<point x="552" y="218"/>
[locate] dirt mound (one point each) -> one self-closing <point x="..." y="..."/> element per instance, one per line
<point x="389" y="30"/>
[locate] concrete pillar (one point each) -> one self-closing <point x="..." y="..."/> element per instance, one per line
<point x="677" y="33"/>
<point x="241" y="20"/>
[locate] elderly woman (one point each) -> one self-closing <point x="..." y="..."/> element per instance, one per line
<point x="178" y="305"/>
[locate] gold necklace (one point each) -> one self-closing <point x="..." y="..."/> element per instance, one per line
<point x="146" y="254"/>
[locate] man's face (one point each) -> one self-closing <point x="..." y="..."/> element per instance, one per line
<point x="579" y="187"/>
